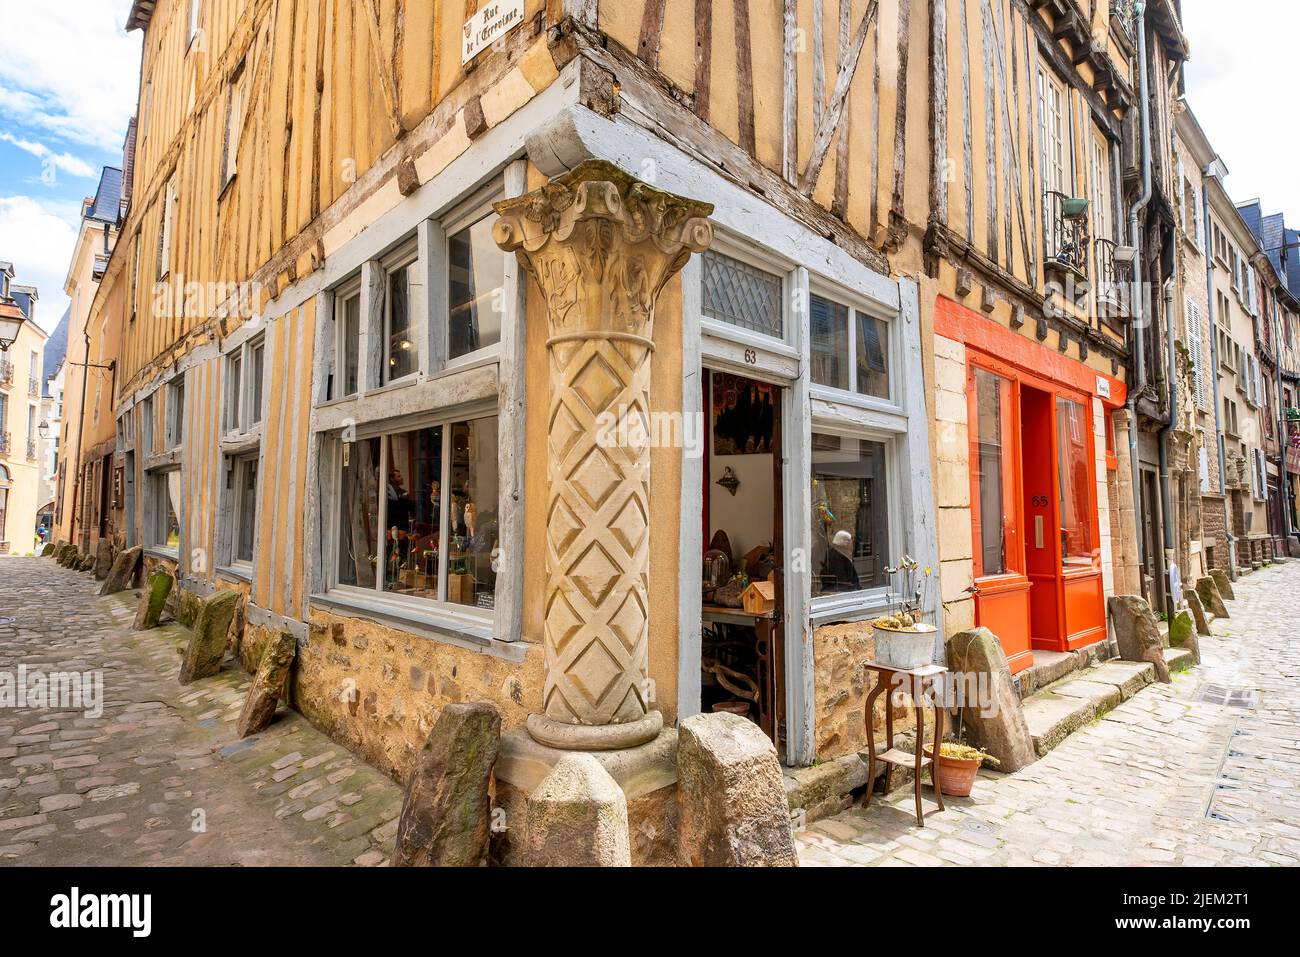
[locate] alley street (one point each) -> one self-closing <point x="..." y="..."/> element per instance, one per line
<point x="159" y="777"/>
<point x="1173" y="776"/>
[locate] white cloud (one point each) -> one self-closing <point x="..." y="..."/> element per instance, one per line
<point x="1239" y="79"/>
<point x="38" y="238"/>
<point x="62" y="161"/>
<point x="69" y="69"/>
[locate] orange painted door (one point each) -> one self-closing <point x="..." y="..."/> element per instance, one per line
<point x="1002" y="589"/>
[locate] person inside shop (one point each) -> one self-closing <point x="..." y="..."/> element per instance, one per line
<point x="838" y="571"/>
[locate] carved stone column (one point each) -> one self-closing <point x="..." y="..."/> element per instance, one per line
<point x="600" y="245"/>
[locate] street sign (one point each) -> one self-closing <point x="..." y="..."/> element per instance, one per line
<point x="489" y="24"/>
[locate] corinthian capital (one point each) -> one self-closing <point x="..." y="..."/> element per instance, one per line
<point x="600" y="244"/>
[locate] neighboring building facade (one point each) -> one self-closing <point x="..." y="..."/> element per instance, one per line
<point x="1203" y="533"/>
<point x="1277" y="350"/>
<point x="20" y="401"/>
<point x="83" y="507"/>
<point x="1234" y="288"/>
<point x="56" y="348"/>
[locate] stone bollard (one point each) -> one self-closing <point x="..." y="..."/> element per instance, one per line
<point x="123" y="571"/>
<point x="268" y="684"/>
<point x="1198" y="611"/>
<point x="1211" y="597"/>
<point x="577" y="817"/>
<point x="152" y="599"/>
<point x="1224" y="582"/>
<point x="47" y="550"/>
<point x="1137" y="634"/>
<point x="731" y="796"/>
<point x="998" y="725"/>
<point x="208" y="639"/>
<point x="1182" y="634"/>
<point x="446" y="814"/>
<point x="103" y="559"/>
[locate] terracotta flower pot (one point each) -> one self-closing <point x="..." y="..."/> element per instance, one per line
<point x="956" y="775"/>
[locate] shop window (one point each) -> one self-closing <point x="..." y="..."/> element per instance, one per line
<point x="742" y="295"/>
<point x="993" y="450"/>
<point x="1073" y="478"/>
<point x="850" y="348"/>
<point x="164" y="500"/>
<point x="849" y="514"/>
<point x="400" y="351"/>
<point x="475" y="278"/>
<point x="429" y="529"/>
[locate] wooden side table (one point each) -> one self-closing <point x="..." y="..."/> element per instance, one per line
<point x="917" y="682"/>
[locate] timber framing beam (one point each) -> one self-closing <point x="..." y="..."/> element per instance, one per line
<point x="647" y="100"/>
<point x="942" y="242"/>
<point x="1049" y="48"/>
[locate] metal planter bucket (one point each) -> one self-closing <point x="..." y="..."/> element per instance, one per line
<point x="904" y="650"/>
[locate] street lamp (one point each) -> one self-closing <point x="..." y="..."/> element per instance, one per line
<point x="44" y="429"/>
<point x="11" y="320"/>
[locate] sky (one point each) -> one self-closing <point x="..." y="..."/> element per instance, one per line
<point x="1239" y="77"/>
<point x="69" y="76"/>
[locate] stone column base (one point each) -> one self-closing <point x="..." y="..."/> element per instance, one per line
<point x="647" y="774"/>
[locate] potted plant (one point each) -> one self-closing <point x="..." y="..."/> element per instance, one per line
<point x="903" y="639"/>
<point x="958" y="766"/>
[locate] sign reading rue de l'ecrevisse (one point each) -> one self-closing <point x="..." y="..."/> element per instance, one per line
<point x="487" y="25"/>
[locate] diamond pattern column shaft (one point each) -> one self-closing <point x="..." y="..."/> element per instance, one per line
<point x="599" y="245"/>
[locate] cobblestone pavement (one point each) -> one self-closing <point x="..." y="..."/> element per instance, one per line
<point x="159" y="777"/>
<point x="1170" y="777"/>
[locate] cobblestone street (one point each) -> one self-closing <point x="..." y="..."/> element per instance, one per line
<point x="159" y="777"/>
<point x="1173" y="776"/>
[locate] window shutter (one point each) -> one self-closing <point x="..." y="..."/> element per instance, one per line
<point x="1197" y="352"/>
<point x="1200" y="219"/>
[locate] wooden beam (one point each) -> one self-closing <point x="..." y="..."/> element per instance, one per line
<point x="990" y="137"/>
<point x="387" y="85"/>
<point x="840" y="204"/>
<point x="939" y="109"/>
<point x="790" y="91"/>
<point x="744" y="80"/>
<point x="652" y="26"/>
<point x="835" y="109"/>
<point x="900" y="110"/>
<point x="703" y="56"/>
<point x="968" y="152"/>
<point x="819" y="59"/>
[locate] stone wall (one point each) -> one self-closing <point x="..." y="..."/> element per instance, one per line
<point x="841" y="684"/>
<point x="377" y="690"/>
<point x="1214" y="532"/>
<point x="952" y="484"/>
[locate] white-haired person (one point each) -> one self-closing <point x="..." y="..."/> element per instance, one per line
<point x="838" y="573"/>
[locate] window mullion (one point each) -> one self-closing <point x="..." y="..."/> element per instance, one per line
<point x="381" y="564"/>
<point x="852" y="358"/>
<point x="444" y="512"/>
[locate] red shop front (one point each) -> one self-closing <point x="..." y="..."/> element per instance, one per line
<point x="1033" y="475"/>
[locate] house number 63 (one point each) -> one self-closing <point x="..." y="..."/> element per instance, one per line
<point x="751" y="357"/>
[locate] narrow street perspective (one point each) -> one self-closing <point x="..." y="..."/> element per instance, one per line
<point x="1201" y="772"/>
<point x="160" y="777"/>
